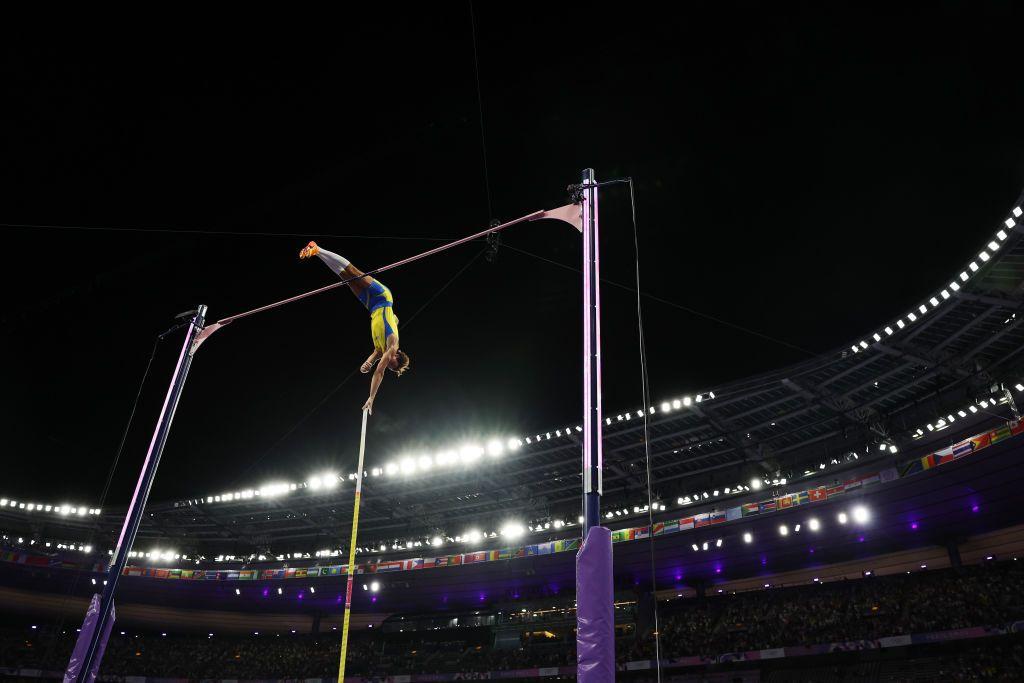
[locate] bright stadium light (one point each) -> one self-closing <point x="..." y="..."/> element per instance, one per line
<point x="842" y="518"/>
<point x="470" y="453"/>
<point x="748" y="537"/>
<point x="408" y="465"/>
<point x="494" y="448"/>
<point x="315" y="483"/>
<point x="472" y="536"/>
<point x="813" y="524"/>
<point x="425" y="462"/>
<point x="391" y="468"/>
<point x="860" y="514"/>
<point x="783" y="530"/>
<point x="512" y="530"/>
<point x="374" y="587"/>
<point x="435" y="541"/>
<point x="755" y="483"/>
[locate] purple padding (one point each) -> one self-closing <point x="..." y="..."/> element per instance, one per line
<point x="82" y="644"/>
<point x="595" y="609"/>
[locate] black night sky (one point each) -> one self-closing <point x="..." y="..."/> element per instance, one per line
<point x="800" y="173"/>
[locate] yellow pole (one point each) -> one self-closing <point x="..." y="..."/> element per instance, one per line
<point x="352" y="552"/>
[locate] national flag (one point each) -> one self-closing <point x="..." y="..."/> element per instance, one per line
<point x="441" y="561"/>
<point x="416" y="563"/>
<point x="686" y="523"/>
<point x="546" y="548"/>
<point x="300" y="573"/>
<point x="717" y="517"/>
<point x="750" y="509"/>
<point x="929" y="461"/>
<point x="186" y="574"/>
<point x="817" y="495"/>
<point x="470" y="558"/>
<point x="620" y="535"/>
<point x="766" y="506"/>
<point x="659" y="528"/>
<point x="174" y="574"/>
<point x="800" y="498"/>
<point x="1016" y="427"/>
<point x="835" y="490"/>
<point x="963" y="448"/>
<point x="643" y="532"/>
<point x="784" y="502"/>
<point x="505" y="553"/>
<point x="734" y="513"/>
<point x="703" y="519"/>
<point x="671" y="526"/>
<point x="996" y="435"/>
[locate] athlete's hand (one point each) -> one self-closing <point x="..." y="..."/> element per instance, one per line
<point x="368" y="406"/>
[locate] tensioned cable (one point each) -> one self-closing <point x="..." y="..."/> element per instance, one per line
<point x="351" y="374"/>
<point x="430" y="252"/>
<point x="230" y="233"/>
<point x="106" y="490"/>
<point x="480" y="110"/>
<point x="646" y="390"/>
<point x="681" y="307"/>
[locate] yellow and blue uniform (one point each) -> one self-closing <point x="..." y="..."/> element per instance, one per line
<point x="383" y="321"/>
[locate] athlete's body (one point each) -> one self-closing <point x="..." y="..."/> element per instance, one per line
<point x="383" y="322"/>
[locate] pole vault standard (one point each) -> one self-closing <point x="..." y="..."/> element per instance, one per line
<point x="595" y="610"/>
<point x="85" y="660"/>
<point x="351" y="571"/>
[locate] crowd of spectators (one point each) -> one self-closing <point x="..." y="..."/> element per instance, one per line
<point x="866" y="609"/>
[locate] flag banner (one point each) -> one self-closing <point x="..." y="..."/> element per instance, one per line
<point x="734" y="513"/>
<point x="783" y="502"/>
<point x="818" y="495"/>
<point x="750" y="509"/>
<point x="766" y="506"/>
<point x="701" y="520"/>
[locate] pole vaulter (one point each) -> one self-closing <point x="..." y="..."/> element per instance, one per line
<point x="596" y="651"/>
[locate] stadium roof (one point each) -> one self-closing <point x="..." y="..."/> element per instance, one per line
<point x="896" y="388"/>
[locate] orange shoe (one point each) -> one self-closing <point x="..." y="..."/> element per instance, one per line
<point x="309" y="251"/>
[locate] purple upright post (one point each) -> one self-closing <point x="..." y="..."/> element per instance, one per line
<point x="89" y="661"/>
<point x="595" y="616"/>
<point x="85" y="637"/>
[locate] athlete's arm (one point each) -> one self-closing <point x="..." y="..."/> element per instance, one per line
<point x="378" y="375"/>
<point x="368" y="365"/>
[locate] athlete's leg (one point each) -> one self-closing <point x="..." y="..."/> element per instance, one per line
<point x="340" y="266"/>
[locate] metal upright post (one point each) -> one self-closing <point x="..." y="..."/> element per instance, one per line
<point x="80" y="667"/>
<point x="592" y="458"/>
<point x="595" y="615"/>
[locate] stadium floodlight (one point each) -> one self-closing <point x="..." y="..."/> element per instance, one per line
<point x="944" y="294"/>
<point x="1016" y="211"/>
<point x="704" y="545"/>
<point x="238" y="591"/>
<point x="973" y="266"/>
<point x="374" y="587"/>
<point x="695" y="548"/>
<point x="893" y="448"/>
<point x="677" y="404"/>
<point x="755" y="483"/>
<point x="984" y="256"/>
<point x="911" y="317"/>
<point x="279" y="591"/>
<point x="748" y="537"/>
<point x="408" y="465"/>
<point x="391" y="468"/>
<point x="470" y="453"/>
<point x="993" y="246"/>
<point x="842" y="518"/>
<point x="512" y="530"/>
<point x="494" y="448"/>
<point x="718" y="543"/>
<point x="813" y="524"/>
<point x="425" y="462"/>
<point x="514" y="444"/>
<point x="472" y="536"/>
<point x="315" y="483"/>
<point x="665" y="407"/>
<point x="435" y="541"/>
<point x="783" y="530"/>
<point x="329" y="479"/>
<point x="860" y="514"/>
<point x="687" y="400"/>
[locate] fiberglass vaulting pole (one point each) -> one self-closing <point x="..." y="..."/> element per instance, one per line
<point x="595" y="612"/>
<point x="85" y="659"/>
<point x="351" y="570"/>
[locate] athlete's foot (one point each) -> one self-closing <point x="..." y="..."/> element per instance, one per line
<point x="309" y="251"/>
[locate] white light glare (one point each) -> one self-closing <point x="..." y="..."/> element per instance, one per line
<point x="783" y="530"/>
<point x="842" y="518"/>
<point x="860" y="514"/>
<point x="813" y="524"/>
<point x="512" y="530"/>
<point x="748" y="537"/>
<point x="494" y="448"/>
<point x="755" y="483"/>
<point x="374" y="587"/>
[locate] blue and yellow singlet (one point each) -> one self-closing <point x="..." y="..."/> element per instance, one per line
<point x="383" y="321"/>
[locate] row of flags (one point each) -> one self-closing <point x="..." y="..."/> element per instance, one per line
<point x="813" y="495"/>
